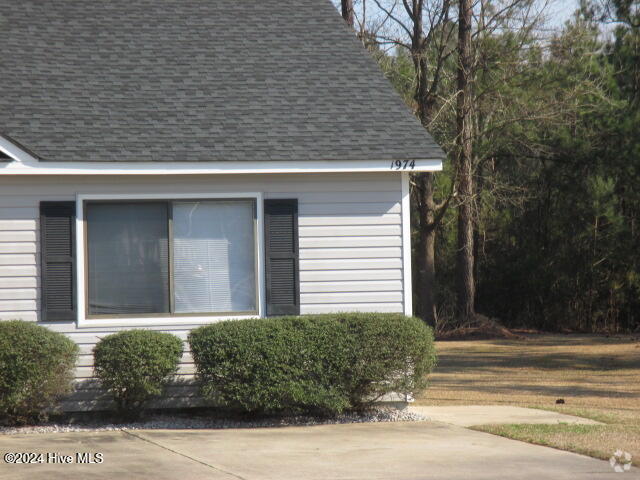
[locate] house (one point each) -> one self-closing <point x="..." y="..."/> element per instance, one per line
<point x="167" y="164"/>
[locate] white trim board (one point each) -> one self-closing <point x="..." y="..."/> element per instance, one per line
<point x="406" y="245"/>
<point x="26" y="164"/>
<point x="83" y="322"/>
<point x="16" y="153"/>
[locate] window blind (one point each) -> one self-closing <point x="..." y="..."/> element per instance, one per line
<point x="214" y="256"/>
<point x="128" y="261"/>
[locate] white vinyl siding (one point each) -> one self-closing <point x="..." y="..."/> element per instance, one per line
<point x="351" y="256"/>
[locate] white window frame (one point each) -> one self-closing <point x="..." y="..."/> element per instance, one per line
<point x="83" y="321"/>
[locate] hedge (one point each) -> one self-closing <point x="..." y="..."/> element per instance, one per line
<point x="312" y="364"/>
<point x="36" y="369"/>
<point x="135" y="365"/>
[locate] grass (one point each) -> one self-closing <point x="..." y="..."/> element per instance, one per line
<point x="599" y="441"/>
<point x="597" y="377"/>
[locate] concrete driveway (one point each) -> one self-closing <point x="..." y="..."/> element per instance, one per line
<point x="411" y="450"/>
<point x="469" y="415"/>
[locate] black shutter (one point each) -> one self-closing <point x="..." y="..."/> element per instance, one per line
<point x="281" y="252"/>
<point x="57" y="269"/>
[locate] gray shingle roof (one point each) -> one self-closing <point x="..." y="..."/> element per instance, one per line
<point x="196" y="80"/>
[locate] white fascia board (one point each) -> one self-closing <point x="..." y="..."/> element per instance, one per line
<point x="26" y="164"/>
<point x="16" y="153"/>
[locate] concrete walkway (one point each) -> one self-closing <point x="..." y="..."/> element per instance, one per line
<point x="467" y="416"/>
<point x="407" y="451"/>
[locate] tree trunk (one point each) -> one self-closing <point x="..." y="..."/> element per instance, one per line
<point x="426" y="249"/>
<point x="347" y="11"/>
<point x="465" y="260"/>
<point x="425" y="181"/>
<point x="426" y="94"/>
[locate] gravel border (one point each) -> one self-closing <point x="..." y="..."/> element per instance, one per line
<point x="187" y="422"/>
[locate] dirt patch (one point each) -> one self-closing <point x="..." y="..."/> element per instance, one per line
<point x="481" y="328"/>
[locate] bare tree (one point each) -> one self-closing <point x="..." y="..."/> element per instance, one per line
<point x="445" y="99"/>
<point x="464" y="136"/>
<point x="424" y="29"/>
<point x="347" y="12"/>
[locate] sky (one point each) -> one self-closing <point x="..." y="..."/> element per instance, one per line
<point x="561" y="11"/>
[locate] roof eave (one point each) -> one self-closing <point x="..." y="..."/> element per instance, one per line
<point x="16" y="151"/>
<point x="31" y="166"/>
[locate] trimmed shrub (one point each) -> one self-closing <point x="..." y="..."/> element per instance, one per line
<point x="390" y="353"/>
<point x="135" y="365"/>
<point x="312" y="364"/>
<point x="36" y="369"/>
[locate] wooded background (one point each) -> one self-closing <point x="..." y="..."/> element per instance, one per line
<point x="534" y="221"/>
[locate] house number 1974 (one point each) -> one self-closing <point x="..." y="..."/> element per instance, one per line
<point x="403" y="165"/>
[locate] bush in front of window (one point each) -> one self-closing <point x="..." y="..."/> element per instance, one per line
<point x="36" y="370"/>
<point x="319" y="364"/>
<point x="136" y="365"/>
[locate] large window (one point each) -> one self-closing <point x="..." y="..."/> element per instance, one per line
<point x="171" y="257"/>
